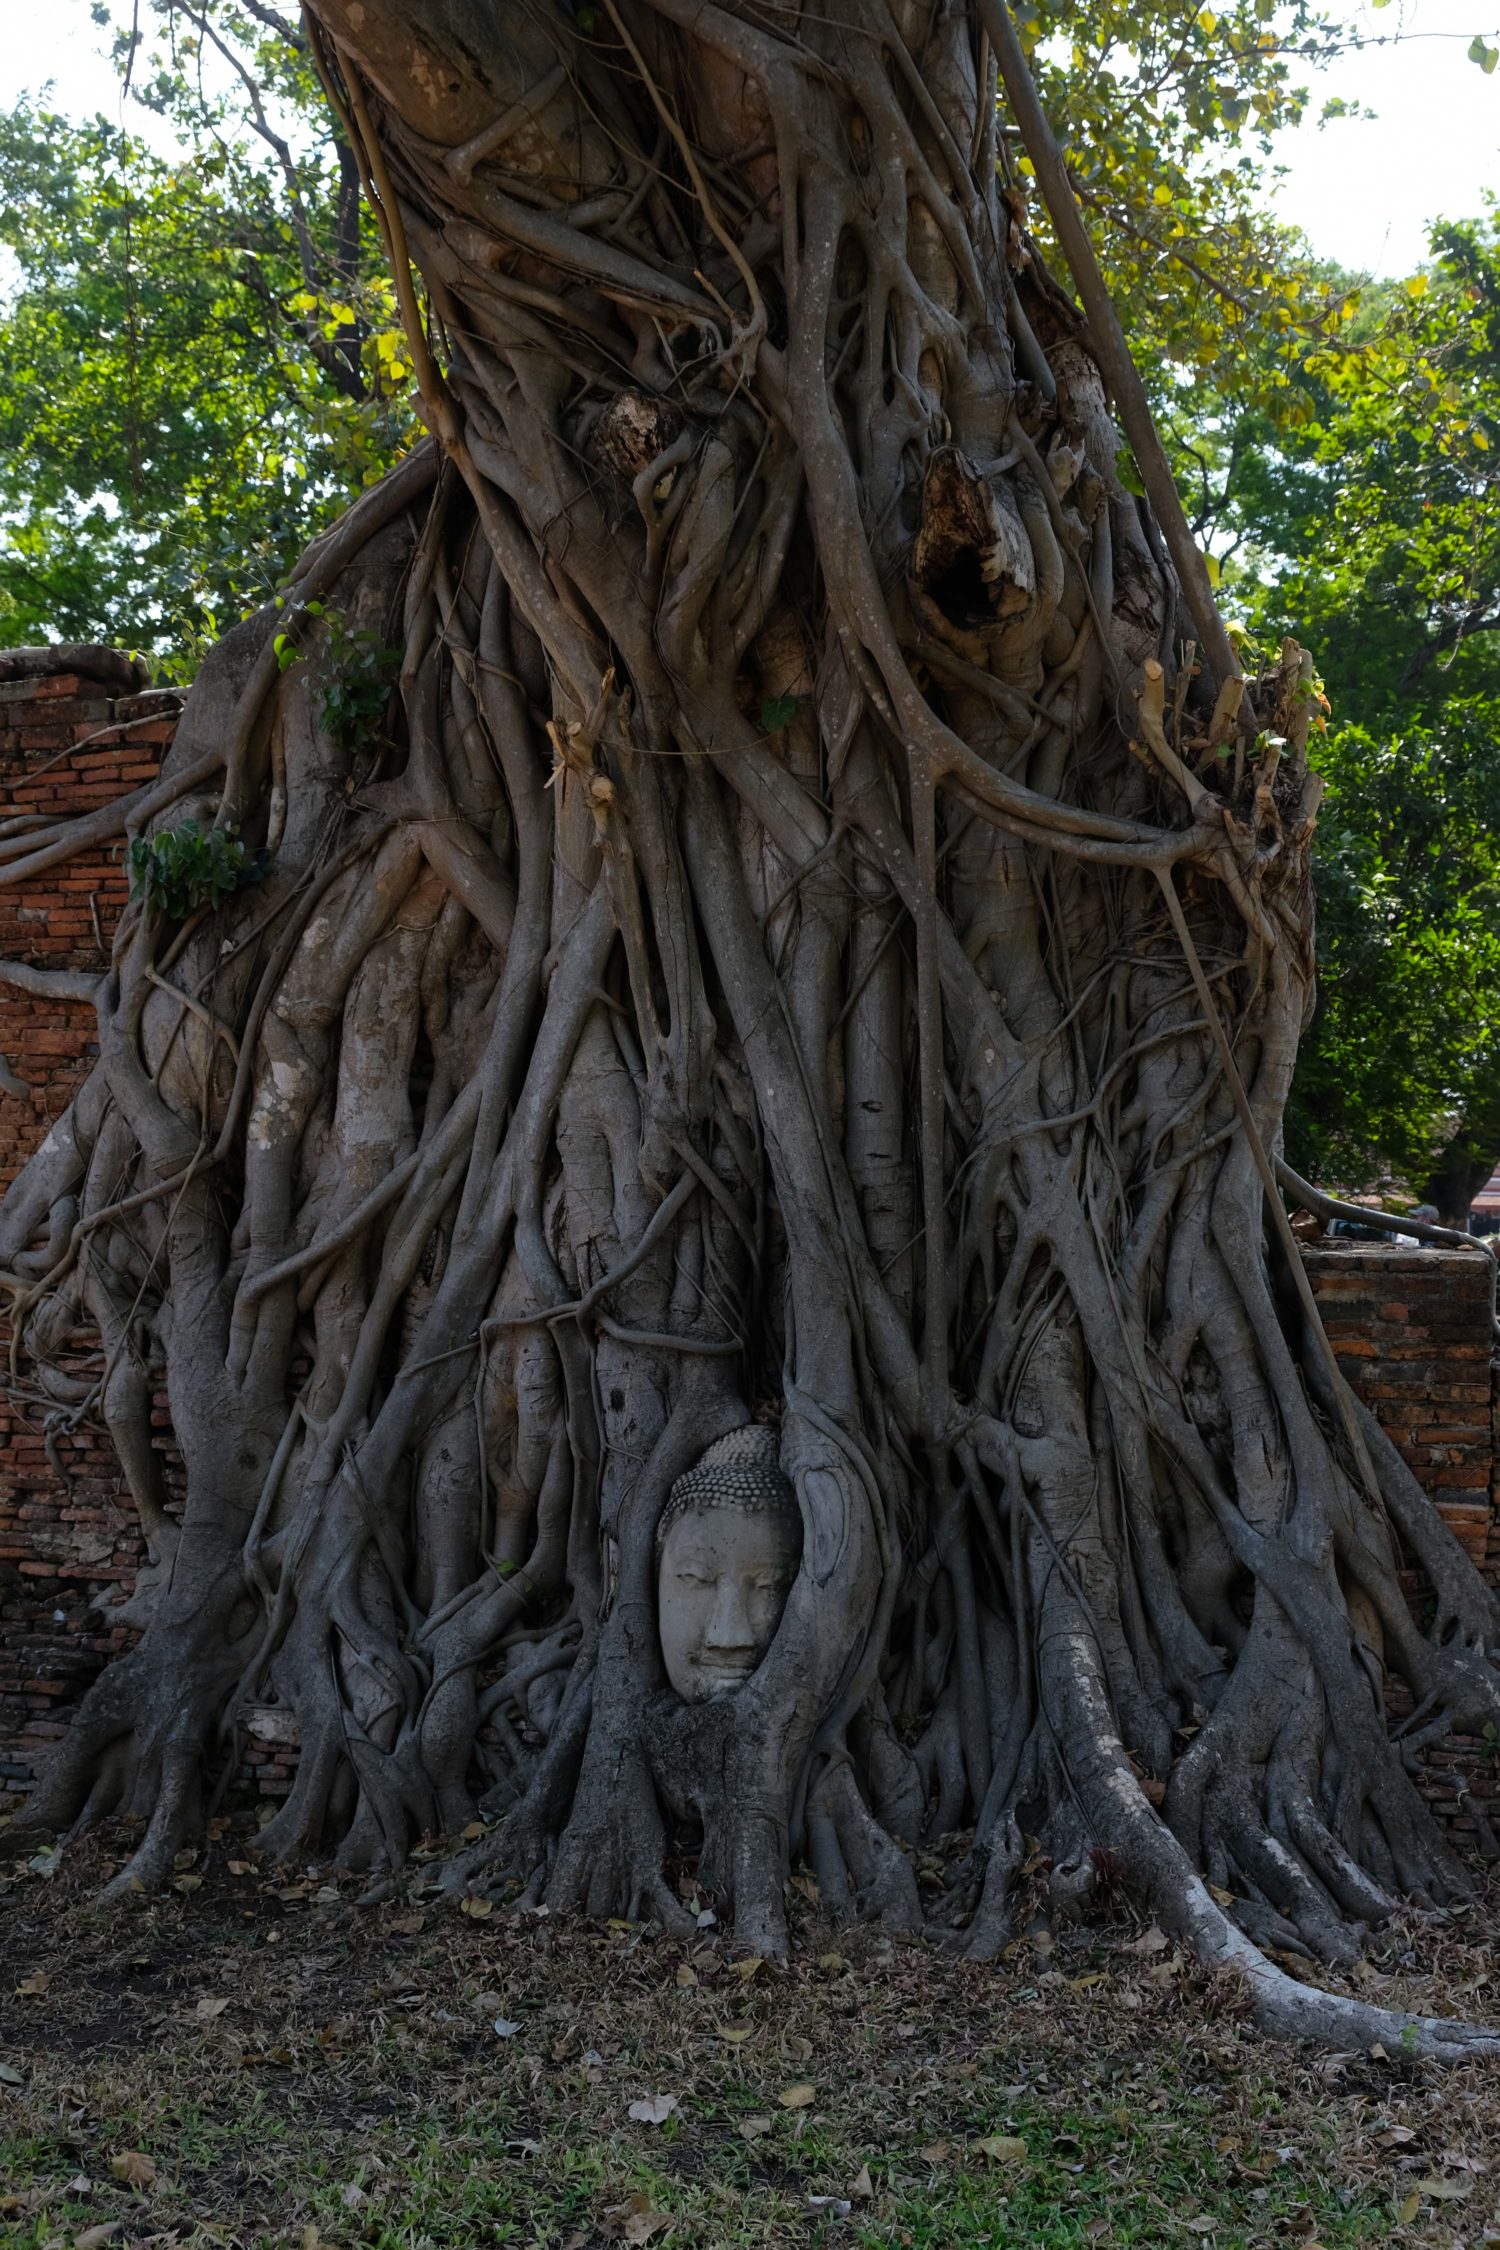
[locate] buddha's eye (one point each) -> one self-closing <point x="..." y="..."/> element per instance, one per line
<point x="694" y="1578"/>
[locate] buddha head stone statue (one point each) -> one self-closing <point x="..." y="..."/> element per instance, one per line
<point x="729" y="1542"/>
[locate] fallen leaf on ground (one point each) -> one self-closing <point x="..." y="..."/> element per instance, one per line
<point x="504" y="2028"/>
<point x="241" y="1866"/>
<point x="653" y="2109"/>
<point x="686" y="1976"/>
<point x="406" y="1925"/>
<point x="1444" y="2191"/>
<point x="735" y="2033"/>
<point x="797" y="2097"/>
<point x="755" y="2128"/>
<point x="30" y="1988"/>
<point x="862" y="2186"/>
<point x="135" y="2168"/>
<point x="935" y="2151"/>
<point x="1002" y="2148"/>
<point x="208" y="2008"/>
<point x="1151" y="1941"/>
<point x="633" y="2221"/>
<point x="477" y="1908"/>
<point x="94" y="2238"/>
<point x="1407" y="2210"/>
<point x="642" y="2225"/>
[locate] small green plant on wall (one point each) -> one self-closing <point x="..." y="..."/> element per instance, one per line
<point x="177" y="870"/>
<point x="351" y="679"/>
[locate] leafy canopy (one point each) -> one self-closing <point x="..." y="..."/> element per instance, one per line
<point x="1373" y="522"/>
<point x="199" y="357"/>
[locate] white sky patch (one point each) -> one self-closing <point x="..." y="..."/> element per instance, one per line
<point x="60" y="42"/>
<point x="1363" y="191"/>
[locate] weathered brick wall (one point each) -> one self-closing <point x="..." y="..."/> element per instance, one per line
<point x="67" y="745"/>
<point x="1413" y="1331"/>
<point x="68" y="742"/>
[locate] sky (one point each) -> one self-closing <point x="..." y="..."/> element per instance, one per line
<point x="1364" y="191"/>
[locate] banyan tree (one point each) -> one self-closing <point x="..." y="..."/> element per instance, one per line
<point x="711" y="1223"/>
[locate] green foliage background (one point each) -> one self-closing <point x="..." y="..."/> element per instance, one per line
<point x="199" y="360"/>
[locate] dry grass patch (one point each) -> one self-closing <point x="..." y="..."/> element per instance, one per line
<point x="253" y="2061"/>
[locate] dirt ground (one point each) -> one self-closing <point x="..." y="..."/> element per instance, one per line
<point x="255" y="2060"/>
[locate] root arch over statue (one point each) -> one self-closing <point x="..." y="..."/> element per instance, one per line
<point x="802" y="984"/>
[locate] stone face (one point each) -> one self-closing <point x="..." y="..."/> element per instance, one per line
<point x="722" y="1585"/>
<point x="730" y="1541"/>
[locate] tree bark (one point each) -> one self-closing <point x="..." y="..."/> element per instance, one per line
<point x="806" y="943"/>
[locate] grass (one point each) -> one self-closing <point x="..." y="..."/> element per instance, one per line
<point x="289" y="2070"/>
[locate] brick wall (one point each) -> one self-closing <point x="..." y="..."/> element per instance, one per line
<point x="1413" y="1331"/>
<point x="69" y="742"/>
<point x="67" y="745"/>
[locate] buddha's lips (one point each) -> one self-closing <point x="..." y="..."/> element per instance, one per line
<point x="730" y="1673"/>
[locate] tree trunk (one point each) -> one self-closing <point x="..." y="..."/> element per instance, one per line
<point x="1468" y="1161"/>
<point x="806" y="947"/>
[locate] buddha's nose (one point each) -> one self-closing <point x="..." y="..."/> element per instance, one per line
<point x="730" y="1626"/>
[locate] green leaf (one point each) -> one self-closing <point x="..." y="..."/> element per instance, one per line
<point x="778" y="712"/>
<point x="1479" y="51"/>
<point x="180" y="869"/>
<point x="1127" y="472"/>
